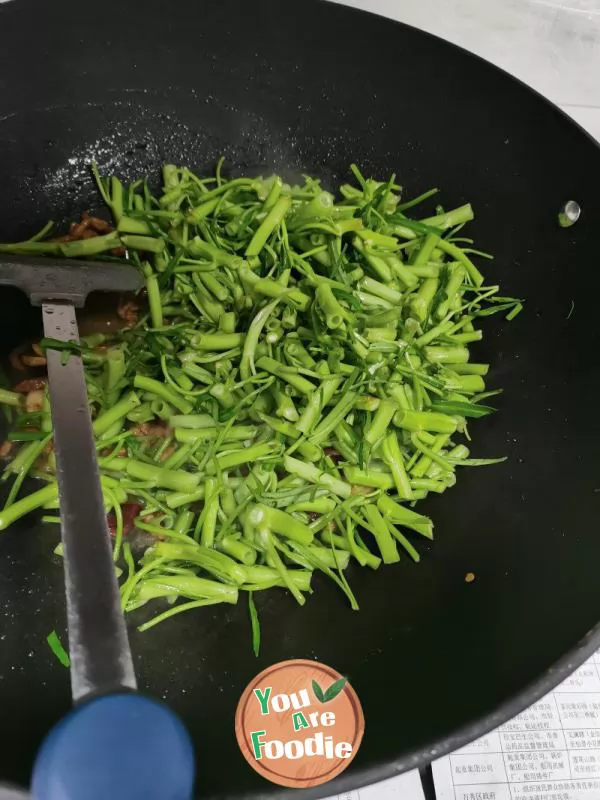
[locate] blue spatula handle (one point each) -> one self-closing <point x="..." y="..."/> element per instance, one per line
<point x="116" y="747"/>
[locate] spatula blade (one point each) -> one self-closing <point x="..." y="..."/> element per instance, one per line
<point x="99" y="648"/>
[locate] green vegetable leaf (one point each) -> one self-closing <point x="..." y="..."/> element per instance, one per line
<point x="462" y="409"/>
<point x="334" y="690"/>
<point x="347" y="297"/>
<point x="484" y="395"/>
<point x="318" y="692"/>
<point x="414" y="225"/>
<point x="26" y="436"/>
<point x="476" y="462"/>
<point x="59" y="651"/>
<point x="66" y="348"/>
<point x="510" y="304"/>
<point x="255" y="624"/>
<point x="47" y="343"/>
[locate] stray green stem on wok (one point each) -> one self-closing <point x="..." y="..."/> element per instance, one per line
<point x="300" y="378"/>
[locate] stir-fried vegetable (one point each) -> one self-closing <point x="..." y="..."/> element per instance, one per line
<point x="298" y="377"/>
<point x="57" y="648"/>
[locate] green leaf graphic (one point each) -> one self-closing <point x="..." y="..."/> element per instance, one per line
<point x="334" y="690"/>
<point x="318" y="692"/>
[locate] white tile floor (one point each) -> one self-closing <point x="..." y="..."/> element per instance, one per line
<point x="553" y="45"/>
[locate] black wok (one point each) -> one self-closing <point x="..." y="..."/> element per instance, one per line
<point x="310" y="87"/>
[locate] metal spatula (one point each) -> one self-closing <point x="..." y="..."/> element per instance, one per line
<point x="105" y="738"/>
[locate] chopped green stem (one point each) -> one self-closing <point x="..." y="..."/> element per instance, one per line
<point x="147" y="244"/>
<point x="26" y="505"/>
<point x="371" y="477"/>
<point x="449" y="219"/>
<point x="380" y="422"/>
<point x="268" y="225"/>
<point x="118" y="412"/>
<point x="217" y="341"/>
<point x="176" y="480"/>
<point x="90" y="247"/>
<point x="423" y="464"/>
<point x="333" y="419"/>
<point x="321" y="505"/>
<point x="314" y="475"/>
<point x="332" y="310"/>
<point x="236" y="458"/>
<point x="154" y="301"/>
<point x="10" y="398"/>
<point x="319" y="399"/>
<point x="458" y="255"/>
<point x="177" y="610"/>
<point x="385" y="542"/>
<point x="393" y="458"/>
<point x="247" y="368"/>
<point x="238" y="549"/>
<point x="381" y="290"/>
<point x="447" y="355"/>
<point x="424" y="421"/>
<point x="400" y="515"/>
<point x="364" y="557"/>
<point x="289" y="375"/>
<point x="404" y="542"/>
<point x="133" y="225"/>
<point x="280" y="522"/>
<point x="468" y="384"/>
<point x="57" y="648"/>
<point x="470" y="369"/>
<point x="191" y="586"/>
<point x="274" y="558"/>
<point x="420" y="303"/>
<point x="236" y="433"/>
<point x="165" y="392"/>
<point x="211" y="510"/>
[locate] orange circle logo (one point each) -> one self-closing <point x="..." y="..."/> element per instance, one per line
<point x="299" y="723"/>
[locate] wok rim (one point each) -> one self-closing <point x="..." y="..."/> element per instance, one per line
<point x="555" y="673"/>
<point x="470" y="732"/>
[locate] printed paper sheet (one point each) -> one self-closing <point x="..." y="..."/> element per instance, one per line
<point x="549" y="752"/>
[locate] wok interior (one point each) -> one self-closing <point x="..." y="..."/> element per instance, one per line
<point x="428" y="653"/>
